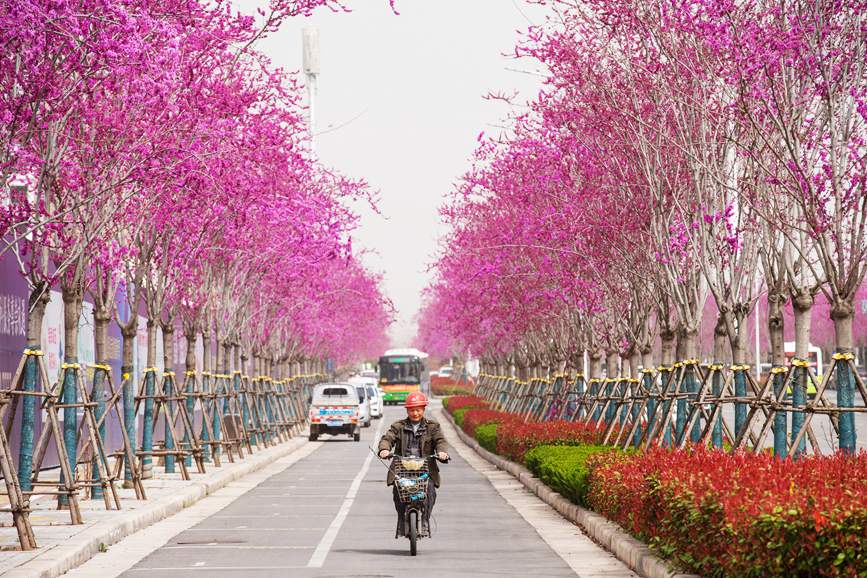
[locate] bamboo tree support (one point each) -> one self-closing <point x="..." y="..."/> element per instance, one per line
<point x="234" y="434"/>
<point x="670" y="395"/>
<point x="821" y="406"/>
<point x="170" y="404"/>
<point x="124" y="456"/>
<point x="190" y="389"/>
<point x="19" y="506"/>
<point x="51" y="431"/>
<point x="716" y="429"/>
<point x="72" y="378"/>
<point x="636" y="412"/>
<point x="220" y="407"/>
<point x="206" y="396"/>
<point x="758" y="399"/>
<point x="572" y="409"/>
<point x="239" y="436"/>
<point x="199" y="397"/>
<point x="250" y="413"/>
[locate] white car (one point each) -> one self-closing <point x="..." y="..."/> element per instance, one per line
<point x="334" y="410"/>
<point x="363" y="406"/>
<point x="375" y="401"/>
<point x="446" y="371"/>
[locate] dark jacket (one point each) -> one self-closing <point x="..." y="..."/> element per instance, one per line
<point x="432" y="441"/>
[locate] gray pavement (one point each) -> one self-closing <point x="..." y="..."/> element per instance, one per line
<point x="330" y="514"/>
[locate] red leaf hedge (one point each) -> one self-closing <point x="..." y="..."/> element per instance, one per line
<point x="456" y="402"/>
<point x="515" y="438"/>
<point x="476" y="417"/>
<point x="741" y="514"/>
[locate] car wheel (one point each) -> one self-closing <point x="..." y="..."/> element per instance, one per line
<point x="313" y="437"/>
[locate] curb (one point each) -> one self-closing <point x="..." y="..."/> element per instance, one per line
<point x="632" y="552"/>
<point x="79" y="549"/>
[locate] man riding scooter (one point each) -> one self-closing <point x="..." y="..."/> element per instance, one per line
<point x="415" y="436"/>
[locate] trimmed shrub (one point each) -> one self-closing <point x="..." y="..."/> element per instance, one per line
<point x="476" y="417"/>
<point x="564" y="468"/>
<point x="454" y="403"/>
<point x="486" y="435"/>
<point x="515" y="437"/>
<point x="458" y="415"/>
<point x="742" y="514"/>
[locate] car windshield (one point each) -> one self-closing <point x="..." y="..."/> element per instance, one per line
<point x="335" y="395"/>
<point x="371" y="392"/>
<point x="361" y="394"/>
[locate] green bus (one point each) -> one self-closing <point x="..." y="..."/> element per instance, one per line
<point x="401" y="373"/>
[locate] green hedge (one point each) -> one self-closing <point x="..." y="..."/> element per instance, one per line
<point x="486" y="434"/>
<point x="564" y="468"/>
<point x="458" y="415"/>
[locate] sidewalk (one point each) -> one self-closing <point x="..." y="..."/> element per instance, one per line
<point x="63" y="546"/>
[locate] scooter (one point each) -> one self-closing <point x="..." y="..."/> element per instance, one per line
<point x="411" y="478"/>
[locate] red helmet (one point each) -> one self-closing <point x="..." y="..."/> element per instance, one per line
<point x="415" y="399"/>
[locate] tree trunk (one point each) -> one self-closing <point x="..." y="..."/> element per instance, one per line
<point x="802" y="303"/>
<point x="147" y="436"/>
<point x="38" y="302"/>
<point x="611" y="372"/>
<point x="72" y="299"/>
<point x="843" y="314"/>
<point x="206" y="389"/>
<point x="128" y="333"/>
<point x="190" y="381"/>
<point x="101" y="319"/>
<point x="776" y="325"/>
<point x="168" y="390"/>
<point x="720" y="355"/>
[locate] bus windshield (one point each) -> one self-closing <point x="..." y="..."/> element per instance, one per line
<point x="399" y="370"/>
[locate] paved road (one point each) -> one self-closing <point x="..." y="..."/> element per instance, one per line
<point x="330" y="514"/>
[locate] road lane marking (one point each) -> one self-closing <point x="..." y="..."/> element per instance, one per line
<point x="321" y="552"/>
<point x="231" y="547"/>
<point x="211" y="568"/>
<point x="122" y="556"/>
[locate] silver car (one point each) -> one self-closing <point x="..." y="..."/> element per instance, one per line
<point x="363" y="406"/>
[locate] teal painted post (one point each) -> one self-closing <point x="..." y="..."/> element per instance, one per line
<point x="799" y="400"/>
<point x="70" y="418"/>
<point x="28" y="418"/>
<point x="651" y="401"/>
<point x="595" y="390"/>
<point x="692" y="387"/>
<point x="780" y="433"/>
<point x="610" y="411"/>
<point x="206" y="435"/>
<point x="245" y="409"/>
<point x="716" y="389"/>
<point x="846" y="400"/>
<point x="680" y="422"/>
<point x="128" y="417"/>
<point x="97" y="395"/>
<point x="217" y="419"/>
<point x="169" y="442"/>
<point x="147" y="433"/>
<point x="740" y="391"/>
<point x="667" y="435"/>
<point x="189" y="389"/>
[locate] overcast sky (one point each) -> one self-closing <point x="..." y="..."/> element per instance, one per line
<point x="400" y="104"/>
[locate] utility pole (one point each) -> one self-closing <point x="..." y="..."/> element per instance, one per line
<point x="310" y="52"/>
